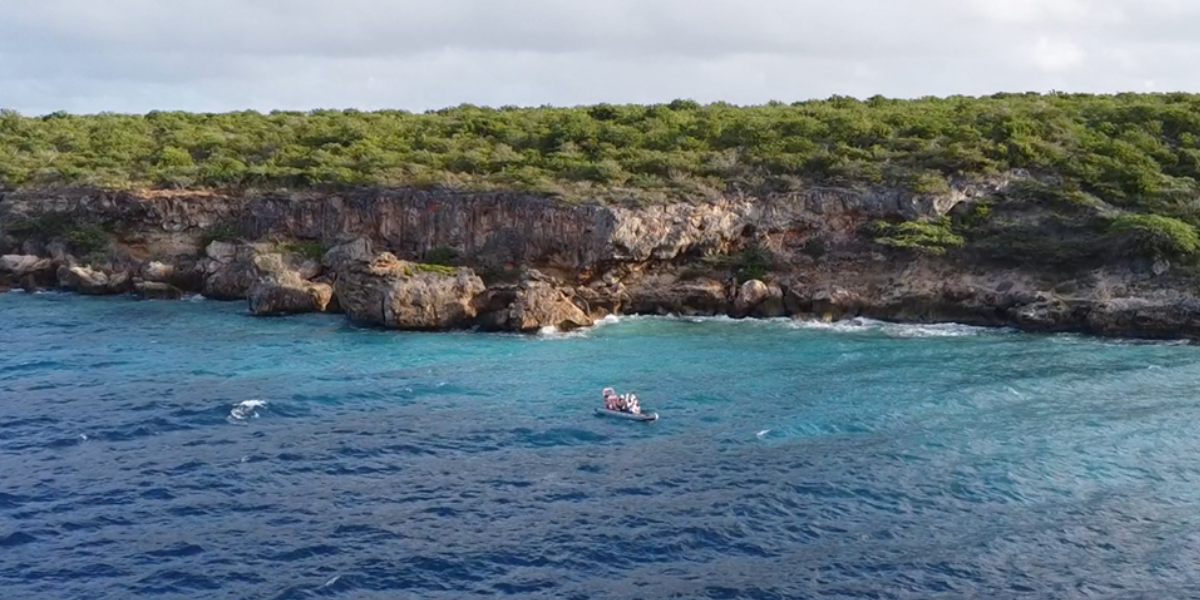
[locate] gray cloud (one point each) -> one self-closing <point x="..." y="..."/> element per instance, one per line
<point x="138" y="55"/>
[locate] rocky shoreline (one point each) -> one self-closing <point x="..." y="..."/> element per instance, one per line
<point x="516" y="263"/>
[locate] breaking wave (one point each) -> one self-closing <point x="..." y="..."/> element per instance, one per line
<point x="904" y="330"/>
<point x="246" y="409"/>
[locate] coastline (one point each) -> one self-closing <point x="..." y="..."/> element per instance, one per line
<point x="850" y="324"/>
<point x="435" y="260"/>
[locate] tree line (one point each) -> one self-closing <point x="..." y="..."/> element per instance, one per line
<point x="1126" y="149"/>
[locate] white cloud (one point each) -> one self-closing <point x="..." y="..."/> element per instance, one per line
<point x="1057" y="55"/>
<point x="138" y="55"/>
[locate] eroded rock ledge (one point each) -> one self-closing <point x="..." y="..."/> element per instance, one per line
<point x="523" y="263"/>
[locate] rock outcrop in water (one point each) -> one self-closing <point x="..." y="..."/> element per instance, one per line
<point x="392" y="293"/>
<point x="28" y="272"/>
<point x="534" y="304"/>
<point x="288" y="296"/>
<point x="93" y="282"/>
<point x="521" y="263"/>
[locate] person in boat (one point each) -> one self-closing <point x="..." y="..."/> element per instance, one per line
<point x="632" y="407"/>
<point x="624" y="402"/>
<point x="611" y="400"/>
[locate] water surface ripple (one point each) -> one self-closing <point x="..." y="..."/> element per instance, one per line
<point x="158" y="449"/>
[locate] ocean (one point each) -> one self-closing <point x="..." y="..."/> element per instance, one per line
<point x="188" y="450"/>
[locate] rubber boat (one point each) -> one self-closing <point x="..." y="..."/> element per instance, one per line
<point x="620" y="414"/>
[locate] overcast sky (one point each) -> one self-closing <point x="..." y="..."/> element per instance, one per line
<point x="219" y="55"/>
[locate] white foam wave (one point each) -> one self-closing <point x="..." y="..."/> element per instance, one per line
<point x="854" y="325"/>
<point x="195" y="298"/>
<point x="551" y="332"/>
<point x="904" y="330"/>
<point x="246" y="409"/>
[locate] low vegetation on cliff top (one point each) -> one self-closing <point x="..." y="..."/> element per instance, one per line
<point x="1127" y="149"/>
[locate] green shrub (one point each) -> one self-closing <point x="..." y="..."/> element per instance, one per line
<point x="1137" y="151"/>
<point x="975" y="214"/>
<point x="754" y="262"/>
<point x="926" y="182"/>
<point x="307" y="248"/>
<point x="44" y="226"/>
<point x="1156" y="236"/>
<point x="436" y="269"/>
<point x="441" y="255"/>
<point x="1060" y="197"/>
<point x="82" y="237"/>
<point x="88" y="239"/>
<point x="931" y="236"/>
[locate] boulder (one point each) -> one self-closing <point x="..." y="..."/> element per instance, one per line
<point x="30" y="272"/>
<point x="157" y="271"/>
<point x="20" y="264"/>
<point x="600" y="299"/>
<point x="251" y="264"/>
<point x="540" y="304"/>
<point x="222" y="252"/>
<point x="153" y="290"/>
<point x="93" y="282"/>
<point x="393" y="293"/>
<point x="837" y="303"/>
<point x="332" y="305"/>
<point x="287" y="296"/>
<point x="760" y="300"/>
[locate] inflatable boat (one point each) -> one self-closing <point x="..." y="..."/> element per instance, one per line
<point x="620" y="414"/>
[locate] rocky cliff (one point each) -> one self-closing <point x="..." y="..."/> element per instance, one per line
<point x="519" y="262"/>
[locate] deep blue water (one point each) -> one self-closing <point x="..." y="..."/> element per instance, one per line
<point x="186" y="450"/>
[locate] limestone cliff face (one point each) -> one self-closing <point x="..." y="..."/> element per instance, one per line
<point x="591" y="260"/>
<point x="494" y="229"/>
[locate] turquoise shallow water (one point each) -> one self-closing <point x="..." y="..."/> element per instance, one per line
<point x="188" y="450"/>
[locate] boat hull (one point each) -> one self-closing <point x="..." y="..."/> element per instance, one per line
<point x="618" y="414"/>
